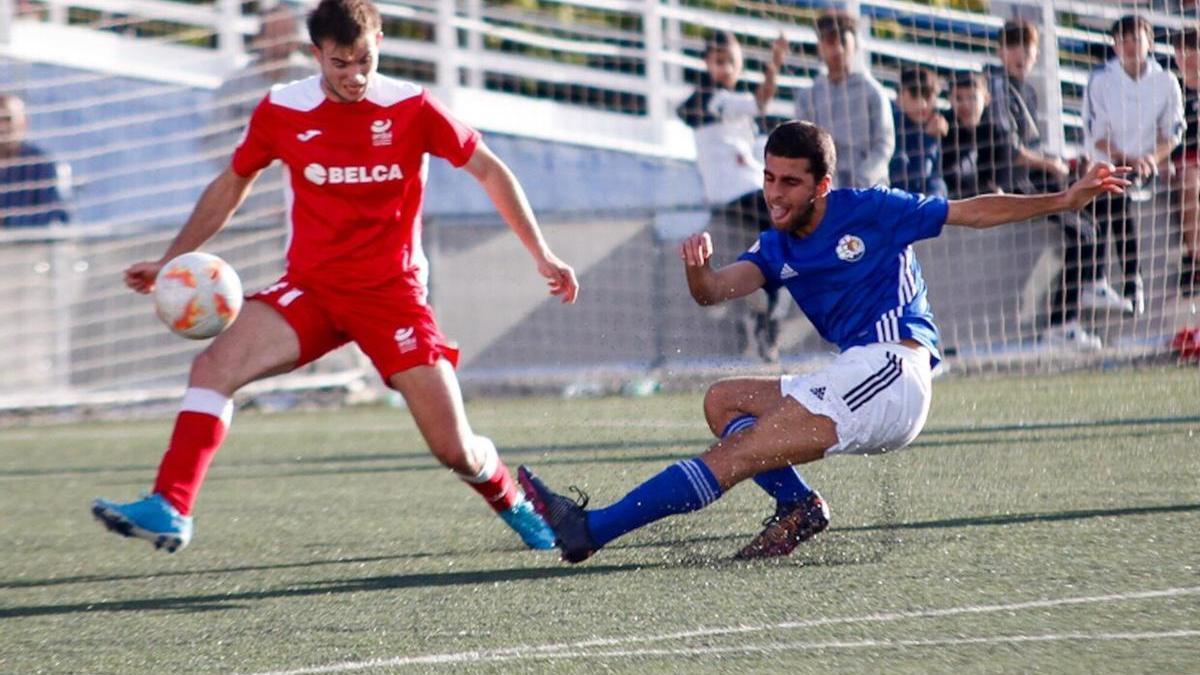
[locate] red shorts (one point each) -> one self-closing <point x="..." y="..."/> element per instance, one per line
<point x="394" y="330"/>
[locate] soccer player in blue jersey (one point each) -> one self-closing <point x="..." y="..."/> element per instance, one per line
<point x="846" y="258"/>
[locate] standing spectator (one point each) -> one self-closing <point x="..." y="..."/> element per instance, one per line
<point x="1016" y="108"/>
<point x="1187" y="158"/>
<point x="976" y="157"/>
<point x="276" y="61"/>
<point x="1016" y="111"/>
<point x="851" y="104"/>
<point x="916" y="165"/>
<point x="723" y="113"/>
<point x="33" y="187"/>
<point x="1133" y="116"/>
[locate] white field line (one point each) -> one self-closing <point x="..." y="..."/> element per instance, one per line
<point x="587" y="648"/>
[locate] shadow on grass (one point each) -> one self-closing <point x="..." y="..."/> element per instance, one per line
<point x="226" y="601"/>
<point x="824" y="553"/>
<point x="1018" y="518"/>
<point x="552" y="454"/>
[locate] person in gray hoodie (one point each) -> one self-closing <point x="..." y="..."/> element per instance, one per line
<point x="851" y="104"/>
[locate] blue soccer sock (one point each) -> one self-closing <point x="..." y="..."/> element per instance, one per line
<point x="785" y="484"/>
<point x="687" y="485"/>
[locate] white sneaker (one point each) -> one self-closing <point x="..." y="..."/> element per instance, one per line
<point x="1071" y="335"/>
<point x="1099" y="295"/>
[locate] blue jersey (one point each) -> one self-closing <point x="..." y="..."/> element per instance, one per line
<point x="856" y="277"/>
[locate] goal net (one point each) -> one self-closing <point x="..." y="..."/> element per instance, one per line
<point x="592" y="103"/>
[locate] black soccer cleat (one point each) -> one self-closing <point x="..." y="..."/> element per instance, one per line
<point x="567" y="518"/>
<point x="788" y="528"/>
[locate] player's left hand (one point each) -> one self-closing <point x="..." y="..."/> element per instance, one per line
<point x="1101" y="177"/>
<point x="559" y="277"/>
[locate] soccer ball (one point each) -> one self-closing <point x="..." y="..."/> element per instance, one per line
<point x="197" y="295"/>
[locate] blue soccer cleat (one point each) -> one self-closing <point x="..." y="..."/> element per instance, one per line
<point x="526" y="522"/>
<point x="151" y="518"/>
<point x="567" y="518"/>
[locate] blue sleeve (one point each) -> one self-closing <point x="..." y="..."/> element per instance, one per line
<point x="755" y="255"/>
<point x="913" y="217"/>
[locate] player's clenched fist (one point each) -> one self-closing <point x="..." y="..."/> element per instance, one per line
<point x="696" y="250"/>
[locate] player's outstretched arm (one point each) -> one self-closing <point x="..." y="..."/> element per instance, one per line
<point x="509" y="199"/>
<point x="218" y="202"/>
<point x="987" y="211"/>
<point x="709" y="286"/>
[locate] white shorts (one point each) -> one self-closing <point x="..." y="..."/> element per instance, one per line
<point x="878" y="395"/>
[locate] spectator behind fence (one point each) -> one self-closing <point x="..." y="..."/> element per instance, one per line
<point x="1187" y="159"/>
<point x="34" y="188"/>
<point x="976" y="156"/>
<point x="1016" y="111"/>
<point x="723" y="113"/>
<point x="277" y="60"/>
<point x="1016" y="108"/>
<point x="916" y="165"/>
<point x="1132" y="116"/>
<point x="851" y="104"/>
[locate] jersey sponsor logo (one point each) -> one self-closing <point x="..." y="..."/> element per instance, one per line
<point x="850" y="248"/>
<point x="348" y="175"/>
<point x="787" y="272"/>
<point x="381" y="132"/>
<point x="406" y="339"/>
<point x="308" y="135"/>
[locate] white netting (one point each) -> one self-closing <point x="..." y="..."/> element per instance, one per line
<point x="580" y="97"/>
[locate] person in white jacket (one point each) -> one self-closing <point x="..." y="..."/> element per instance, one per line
<point x="1132" y="116"/>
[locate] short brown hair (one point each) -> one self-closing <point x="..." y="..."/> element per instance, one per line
<point x="834" y="26"/>
<point x="343" y="21"/>
<point x="921" y="82"/>
<point x="1131" y="23"/>
<point x="797" y="139"/>
<point x="1188" y="38"/>
<point x="1018" y="33"/>
<point x="968" y="79"/>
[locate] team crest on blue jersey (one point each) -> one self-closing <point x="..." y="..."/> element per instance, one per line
<point x="850" y="248"/>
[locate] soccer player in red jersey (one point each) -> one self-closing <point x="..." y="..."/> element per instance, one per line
<point x="355" y="143"/>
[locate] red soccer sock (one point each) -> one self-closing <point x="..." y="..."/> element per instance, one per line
<point x="494" y="482"/>
<point x="199" y="430"/>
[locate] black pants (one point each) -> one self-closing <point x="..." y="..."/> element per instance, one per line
<point x="749" y="214"/>
<point x="1085" y="250"/>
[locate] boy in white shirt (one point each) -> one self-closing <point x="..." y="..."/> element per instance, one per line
<point x="1132" y="116"/>
<point x="723" y="113"/>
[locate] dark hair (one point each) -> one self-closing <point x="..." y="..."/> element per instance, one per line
<point x="343" y="21"/>
<point x="1188" y="38"/>
<point x="1018" y="33"/>
<point x="921" y="82"/>
<point x="719" y="39"/>
<point x="835" y="25"/>
<point x="967" y="79"/>
<point x="797" y="139"/>
<point x="1131" y="23"/>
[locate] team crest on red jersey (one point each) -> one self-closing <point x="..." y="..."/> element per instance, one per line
<point x="381" y="132"/>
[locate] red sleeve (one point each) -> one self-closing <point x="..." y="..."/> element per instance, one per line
<point x="256" y="150"/>
<point x="445" y="135"/>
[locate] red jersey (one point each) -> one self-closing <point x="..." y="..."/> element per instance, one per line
<point x="357" y="177"/>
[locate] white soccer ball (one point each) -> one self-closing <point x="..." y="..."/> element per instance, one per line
<point x="197" y="295"/>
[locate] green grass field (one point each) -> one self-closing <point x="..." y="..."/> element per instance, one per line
<point x="1044" y="524"/>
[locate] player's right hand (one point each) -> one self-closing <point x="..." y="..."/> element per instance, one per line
<point x="696" y="250"/>
<point x="140" y="276"/>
